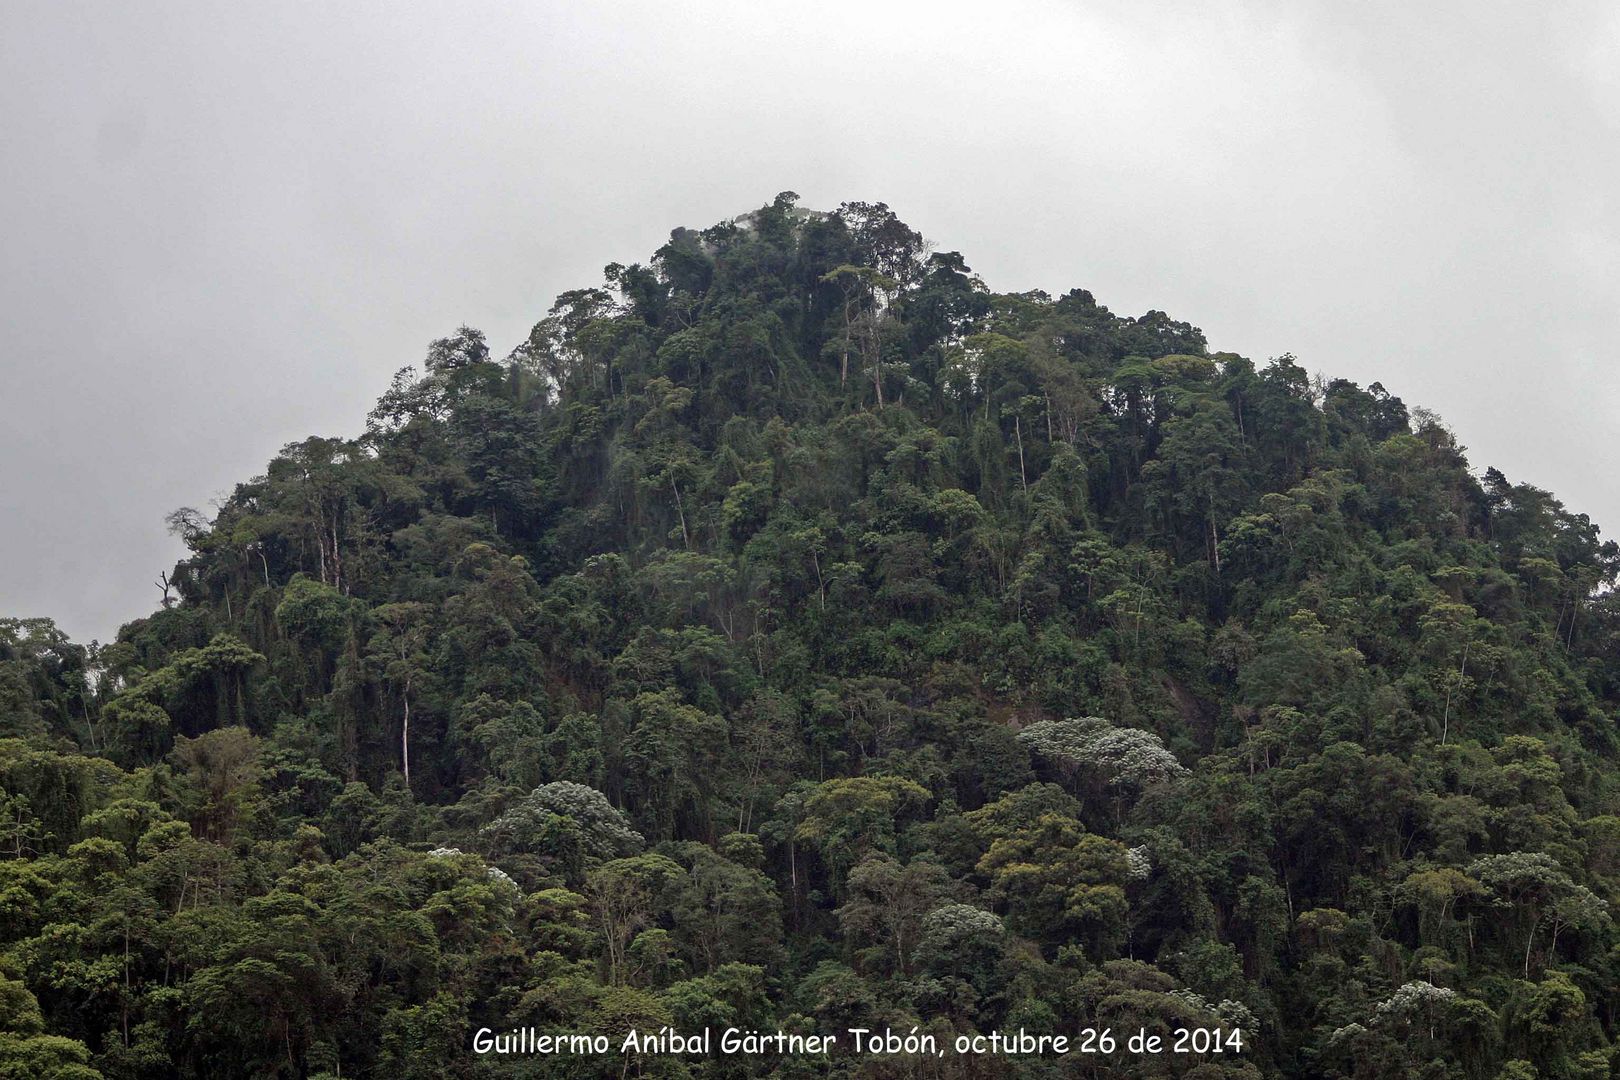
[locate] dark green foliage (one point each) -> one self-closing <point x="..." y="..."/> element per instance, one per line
<point x="795" y="633"/>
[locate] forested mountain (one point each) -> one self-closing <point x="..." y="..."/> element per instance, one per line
<point x="794" y="633"/>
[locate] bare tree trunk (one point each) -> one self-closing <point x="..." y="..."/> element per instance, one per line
<point x="1445" y="722"/>
<point x="876" y="360"/>
<point x="337" y="564"/>
<point x="1018" y="432"/>
<point x="90" y="727"/>
<point x="680" y="510"/>
<point x="320" y="544"/>
<point x="843" y="360"/>
<point x="405" y="736"/>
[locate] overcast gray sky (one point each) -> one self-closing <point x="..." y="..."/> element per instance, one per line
<point x="223" y="227"/>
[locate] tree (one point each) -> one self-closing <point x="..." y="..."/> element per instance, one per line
<point x="725" y="913"/>
<point x="623" y="894"/>
<point x="847" y="818"/>
<point x="568" y="821"/>
<point x="1540" y="892"/>
<point x="863" y="289"/>
<point x="887" y="904"/>
<point x="26" y="1050"/>
<point x="402" y="642"/>
<point x="1055" y="878"/>
<point x="1123" y="761"/>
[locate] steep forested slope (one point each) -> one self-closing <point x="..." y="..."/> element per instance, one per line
<point x="794" y="632"/>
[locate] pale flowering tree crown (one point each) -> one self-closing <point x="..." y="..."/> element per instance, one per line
<point x="1532" y="876"/>
<point x="1349" y="1031"/>
<point x="1519" y="872"/>
<point x="1132" y="757"/>
<point x="960" y="939"/>
<point x="948" y="926"/>
<point x="599" y="830"/>
<point x="495" y="872"/>
<point x="1226" y="1011"/>
<point x="1412" y="997"/>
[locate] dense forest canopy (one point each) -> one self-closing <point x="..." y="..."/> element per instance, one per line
<point x="794" y="633"/>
